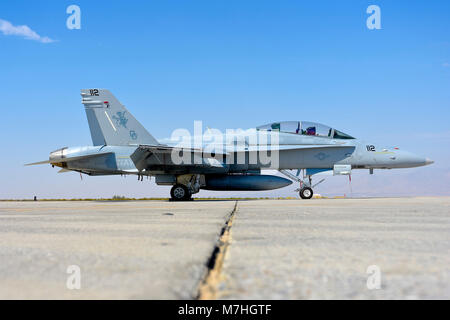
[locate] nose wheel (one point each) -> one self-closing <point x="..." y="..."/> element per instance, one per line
<point x="180" y="192"/>
<point x="306" y="193"/>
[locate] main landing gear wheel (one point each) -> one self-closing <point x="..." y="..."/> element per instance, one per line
<point x="306" y="193"/>
<point x="180" y="192"/>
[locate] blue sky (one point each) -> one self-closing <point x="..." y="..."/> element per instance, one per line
<point x="231" y="64"/>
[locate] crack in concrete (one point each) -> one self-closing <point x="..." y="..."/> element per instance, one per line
<point x="208" y="287"/>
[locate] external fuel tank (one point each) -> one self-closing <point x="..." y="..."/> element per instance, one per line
<point x="240" y="182"/>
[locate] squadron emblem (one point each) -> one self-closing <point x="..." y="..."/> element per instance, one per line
<point x="120" y="119"/>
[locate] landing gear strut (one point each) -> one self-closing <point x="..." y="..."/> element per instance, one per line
<point x="305" y="191"/>
<point x="186" y="186"/>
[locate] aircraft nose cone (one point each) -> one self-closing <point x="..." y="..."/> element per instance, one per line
<point x="407" y="159"/>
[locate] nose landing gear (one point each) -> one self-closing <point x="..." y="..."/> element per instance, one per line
<point x="306" y="188"/>
<point x="306" y="193"/>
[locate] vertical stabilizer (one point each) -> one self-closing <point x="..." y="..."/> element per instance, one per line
<point x="110" y="122"/>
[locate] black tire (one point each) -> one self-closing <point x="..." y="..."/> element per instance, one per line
<point x="306" y="193"/>
<point x="180" y="192"/>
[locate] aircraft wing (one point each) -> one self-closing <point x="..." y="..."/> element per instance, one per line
<point x="169" y="149"/>
<point x="159" y="155"/>
<point x="160" y="152"/>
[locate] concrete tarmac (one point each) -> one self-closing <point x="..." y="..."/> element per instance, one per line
<point x="322" y="249"/>
<point x="125" y="250"/>
<point x="278" y="249"/>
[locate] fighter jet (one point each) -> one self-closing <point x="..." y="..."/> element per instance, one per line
<point x="216" y="161"/>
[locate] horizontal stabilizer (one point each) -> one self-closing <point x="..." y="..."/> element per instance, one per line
<point x="68" y="159"/>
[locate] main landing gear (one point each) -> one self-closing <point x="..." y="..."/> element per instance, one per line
<point x="186" y="186"/>
<point x="180" y="192"/>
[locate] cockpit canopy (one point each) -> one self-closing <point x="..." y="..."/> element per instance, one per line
<point x="305" y="128"/>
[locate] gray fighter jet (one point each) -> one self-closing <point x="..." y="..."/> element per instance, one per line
<point x="220" y="161"/>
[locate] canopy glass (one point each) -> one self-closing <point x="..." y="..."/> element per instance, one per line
<point x="305" y="128"/>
